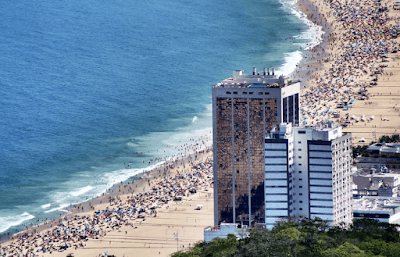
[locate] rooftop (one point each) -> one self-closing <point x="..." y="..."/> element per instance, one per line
<point x="265" y="79"/>
<point x="326" y="133"/>
<point x="376" y="204"/>
<point x="392" y="148"/>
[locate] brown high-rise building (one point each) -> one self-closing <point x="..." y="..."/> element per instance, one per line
<point x="245" y="109"/>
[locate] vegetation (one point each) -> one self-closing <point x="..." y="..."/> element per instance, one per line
<point x="308" y="238"/>
<point x="389" y="139"/>
<point x="362" y="150"/>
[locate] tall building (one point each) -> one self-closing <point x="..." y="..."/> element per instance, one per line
<point x="245" y="109"/>
<point x="308" y="174"/>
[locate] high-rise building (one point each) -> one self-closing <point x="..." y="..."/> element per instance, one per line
<point x="245" y="109"/>
<point x="308" y="174"/>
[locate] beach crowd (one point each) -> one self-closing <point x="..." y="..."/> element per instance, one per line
<point x="355" y="62"/>
<point x="131" y="210"/>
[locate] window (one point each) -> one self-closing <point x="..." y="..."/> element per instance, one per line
<point x="301" y="209"/>
<point x="299" y="149"/>
<point x="300" y="193"/>
<point x="300" y="157"/>
<point x="299" y="142"/>
<point x="301" y="201"/>
<point x="301" y="186"/>
<point x="300" y="171"/>
<point x="302" y="132"/>
<point x="299" y="164"/>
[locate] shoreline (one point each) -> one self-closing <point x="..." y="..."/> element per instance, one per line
<point x="125" y="191"/>
<point x="302" y="72"/>
<point x="137" y="181"/>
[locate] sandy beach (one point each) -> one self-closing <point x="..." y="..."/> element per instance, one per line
<point x="356" y="67"/>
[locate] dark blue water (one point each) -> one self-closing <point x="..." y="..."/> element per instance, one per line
<point x="86" y="86"/>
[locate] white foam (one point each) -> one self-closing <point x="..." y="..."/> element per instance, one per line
<point x="194" y="119"/>
<point x="313" y="35"/>
<point x="131" y="144"/>
<point x="10" y="221"/>
<point x="59" y="208"/>
<point x="117" y="176"/>
<point x="45" y="206"/>
<point x="291" y="60"/>
<point x="81" y="191"/>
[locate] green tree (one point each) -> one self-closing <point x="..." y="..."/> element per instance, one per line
<point x="375" y="247"/>
<point x="344" y="250"/>
<point x="391" y="250"/>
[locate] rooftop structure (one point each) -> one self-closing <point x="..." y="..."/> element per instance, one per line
<point x="388" y="148"/>
<point x="376" y="184"/>
<point x="222" y="231"/>
<point x="266" y="79"/>
<point x="377" y="164"/>
<point x="383" y="209"/>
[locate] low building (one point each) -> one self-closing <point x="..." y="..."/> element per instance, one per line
<point x="368" y="163"/>
<point x="383" y="209"/>
<point x="388" y="148"/>
<point x="223" y="230"/>
<point x="376" y="184"/>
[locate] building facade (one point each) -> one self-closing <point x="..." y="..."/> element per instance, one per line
<point x="308" y="174"/>
<point x="245" y="109"/>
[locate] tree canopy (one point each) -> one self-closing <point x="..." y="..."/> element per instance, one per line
<point x="308" y="238"/>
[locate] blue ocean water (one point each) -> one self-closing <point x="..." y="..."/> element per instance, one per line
<point x="88" y="86"/>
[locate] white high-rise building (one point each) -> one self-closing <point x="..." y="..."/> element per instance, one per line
<point x="308" y="174"/>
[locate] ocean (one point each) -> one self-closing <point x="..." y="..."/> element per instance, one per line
<point x="95" y="92"/>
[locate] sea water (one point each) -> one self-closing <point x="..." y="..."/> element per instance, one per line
<point x="93" y="92"/>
